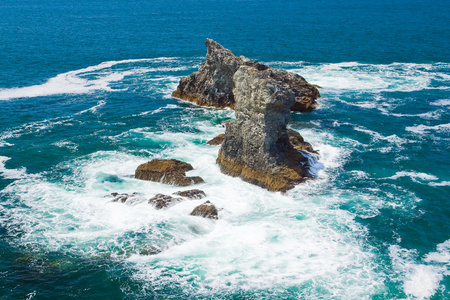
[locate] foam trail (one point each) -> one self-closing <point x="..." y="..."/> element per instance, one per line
<point x="422" y="129"/>
<point x="10" y="173"/>
<point x="92" y="109"/>
<point x="355" y="76"/>
<point x="74" y="82"/>
<point x="414" y="176"/>
<point x="421" y="280"/>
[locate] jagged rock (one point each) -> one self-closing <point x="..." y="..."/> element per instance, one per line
<point x="256" y="145"/>
<point x="191" y="194"/>
<point x="163" y="201"/>
<point x="298" y="142"/>
<point x="170" y="171"/>
<point x="126" y="198"/>
<point x="212" y="84"/>
<point x="206" y="210"/>
<point x="295" y="138"/>
<point x="217" y="140"/>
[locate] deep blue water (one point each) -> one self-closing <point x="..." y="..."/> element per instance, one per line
<point x="85" y="98"/>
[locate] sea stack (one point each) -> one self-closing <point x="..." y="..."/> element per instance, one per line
<point x="256" y="146"/>
<point x="213" y="85"/>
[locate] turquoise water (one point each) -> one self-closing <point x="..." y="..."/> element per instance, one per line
<point x="85" y="98"/>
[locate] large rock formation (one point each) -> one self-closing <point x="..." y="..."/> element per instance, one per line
<point x="170" y="171"/>
<point x="212" y="84"/>
<point x="256" y="145"/>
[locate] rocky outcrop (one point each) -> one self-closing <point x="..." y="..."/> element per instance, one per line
<point x="217" y="140"/>
<point x="298" y="142"/>
<point x="169" y="171"/>
<point x="161" y="201"/>
<point x="257" y="146"/>
<point x="191" y="194"/>
<point x="206" y="210"/>
<point x="212" y="84"/>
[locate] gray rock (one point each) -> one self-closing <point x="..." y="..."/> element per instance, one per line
<point x="256" y="145"/>
<point x="126" y="198"/>
<point x="191" y="194"/>
<point x="161" y="201"/>
<point x="206" y="210"/>
<point x="212" y="84"/>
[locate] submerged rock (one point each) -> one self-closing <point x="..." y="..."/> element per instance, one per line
<point x="191" y="194"/>
<point x="169" y="171"/>
<point x="257" y="146"/>
<point x="126" y="198"/>
<point x="161" y="201"/>
<point x="206" y="210"/>
<point x="152" y="250"/>
<point x="212" y="84"/>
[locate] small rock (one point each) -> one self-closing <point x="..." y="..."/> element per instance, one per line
<point x="206" y="210"/>
<point x="163" y="201"/>
<point x="169" y="171"/>
<point x="217" y="140"/>
<point x="125" y="198"/>
<point x="150" y="251"/>
<point x="191" y="194"/>
<point x="298" y="143"/>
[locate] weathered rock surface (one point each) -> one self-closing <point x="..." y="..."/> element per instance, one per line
<point x="161" y="201"/>
<point x="257" y="146"/>
<point x="298" y="142"/>
<point x="191" y="194"/>
<point x="217" y="140"/>
<point x="206" y="210"/>
<point x="295" y="138"/>
<point x="212" y="84"/>
<point x="169" y="171"/>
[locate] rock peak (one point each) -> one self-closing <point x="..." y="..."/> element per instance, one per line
<point x="212" y="84"/>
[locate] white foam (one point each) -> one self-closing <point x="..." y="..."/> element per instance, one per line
<point x="442" y="183"/>
<point x="441" y="102"/>
<point x="87" y="80"/>
<point x="414" y="176"/>
<point x="10" y="173"/>
<point x="431" y="115"/>
<point x="394" y="139"/>
<point x="422" y="129"/>
<point x="262" y="240"/>
<point x="93" y="109"/>
<point x="421" y="279"/>
<point x="353" y="76"/>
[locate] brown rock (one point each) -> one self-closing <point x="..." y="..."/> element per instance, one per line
<point x="206" y="210"/>
<point x="169" y="171"/>
<point x="191" y="194"/>
<point x="298" y="142"/>
<point x="217" y="140"/>
<point x="163" y="201"/>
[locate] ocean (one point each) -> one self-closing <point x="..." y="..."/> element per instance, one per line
<point x="85" y="97"/>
